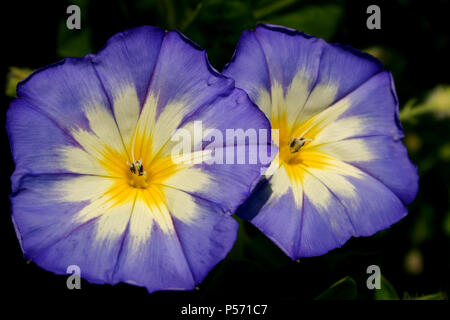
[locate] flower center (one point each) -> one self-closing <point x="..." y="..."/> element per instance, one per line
<point x="137" y="176"/>
<point x="297" y="143"/>
<point x="290" y="150"/>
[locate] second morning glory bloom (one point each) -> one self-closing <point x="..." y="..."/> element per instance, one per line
<point x="95" y="183"/>
<point x="342" y="169"/>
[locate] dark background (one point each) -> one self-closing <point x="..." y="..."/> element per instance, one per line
<point x="413" y="43"/>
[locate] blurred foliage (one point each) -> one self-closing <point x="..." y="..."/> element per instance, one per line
<point x="386" y="291"/>
<point x="73" y="43"/>
<point x="436" y="103"/>
<point x="13" y="77"/>
<point x="344" y="289"/>
<point x="434" y="296"/>
<point x="413" y="44"/>
<point x="306" y="20"/>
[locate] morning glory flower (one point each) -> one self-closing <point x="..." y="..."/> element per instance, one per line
<point x="341" y="169"/>
<point x="95" y="184"/>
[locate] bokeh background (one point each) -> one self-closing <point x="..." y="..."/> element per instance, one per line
<point x="413" y="43"/>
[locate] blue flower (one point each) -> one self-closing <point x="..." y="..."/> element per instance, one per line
<point x="342" y="169"/>
<point x="95" y="184"/>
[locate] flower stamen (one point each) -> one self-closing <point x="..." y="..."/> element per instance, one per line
<point x="138" y="176"/>
<point x="136" y="167"/>
<point x="297" y="143"/>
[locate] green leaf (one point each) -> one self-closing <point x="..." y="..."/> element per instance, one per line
<point x="386" y="292"/>
<point x="344" y="289"/>
<point x="433" y="296"/>
<point x="14" y="76"/>
<point x="320" y="21"/>
<point x="437" y="103"/>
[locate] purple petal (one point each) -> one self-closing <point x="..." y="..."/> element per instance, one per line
<point x="240" y="163"/>
<point x="353" y="111"/>
<point x="34" y="140"/>
<point x="176" y="260"/>
<point x="52" y="234"/>
<point x="129" y="59"/>
<point x="62" y="207"/>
